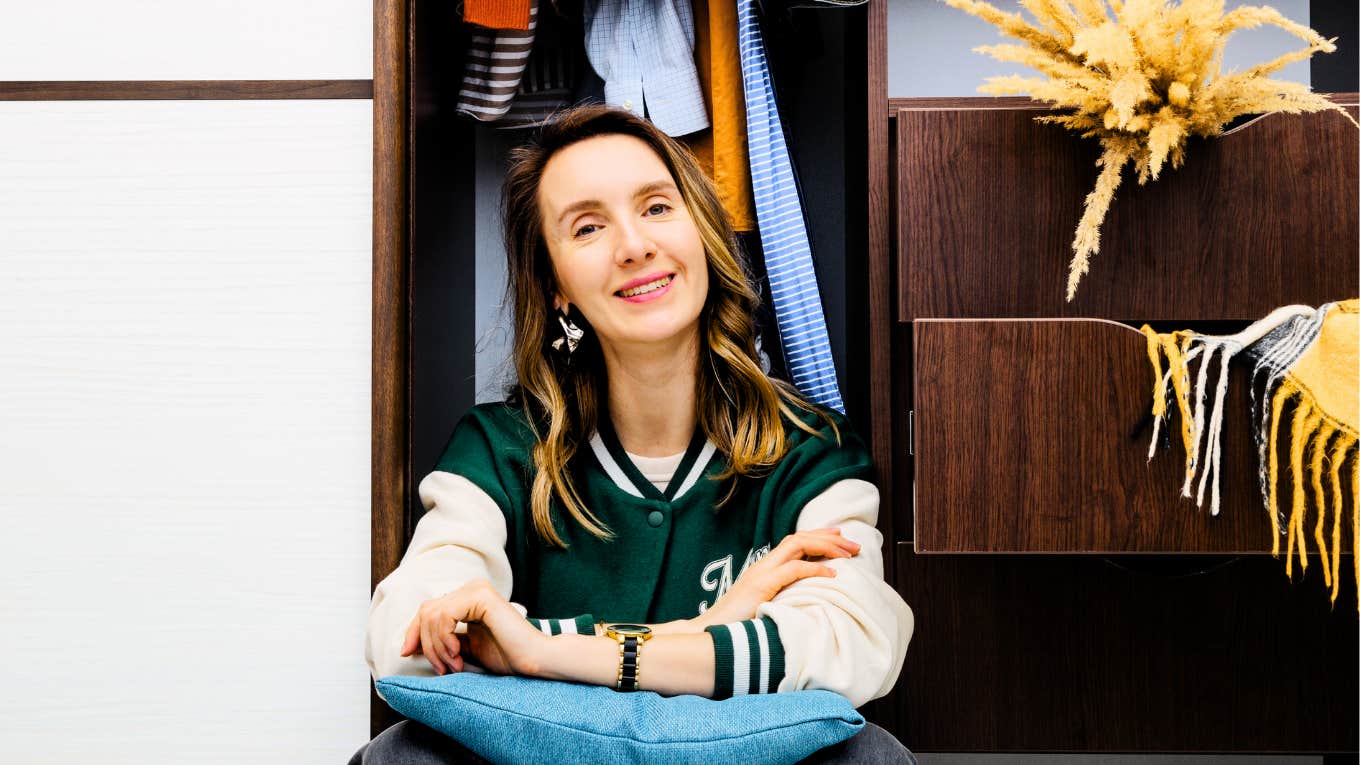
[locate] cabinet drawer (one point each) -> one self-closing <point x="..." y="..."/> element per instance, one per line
<point x="1032" y="436"/>
<point x="1039" y="653"/>
<point x="987" y="200"/>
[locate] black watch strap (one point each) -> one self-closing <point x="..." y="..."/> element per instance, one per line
<point x="628" y="664"/>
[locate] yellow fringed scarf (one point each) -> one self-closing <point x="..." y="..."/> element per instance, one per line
<point x="1308" y="357"/>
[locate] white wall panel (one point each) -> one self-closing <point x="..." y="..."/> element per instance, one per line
<point x="184" y="430"/>
<point x="179" y="40"/>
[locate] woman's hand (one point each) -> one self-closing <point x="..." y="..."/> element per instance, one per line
<point x="785" y="564"/>
<point x="497" y="637"/>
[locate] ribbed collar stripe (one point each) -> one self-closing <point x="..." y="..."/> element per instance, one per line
<point x="705" y="455"/>
<point x="680" y="481"/>
<point x="611" y="468"/>
<point x="621" y="470"/>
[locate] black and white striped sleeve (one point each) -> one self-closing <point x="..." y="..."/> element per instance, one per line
<point x="748" y="657"/>
<point x="580" y="625"/>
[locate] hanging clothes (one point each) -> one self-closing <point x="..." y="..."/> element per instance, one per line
<point x="519" y="79"/>
<point x="644" y="52"/>
<point x="555" y="70"/>
<point x="494" y="65"/>
<point x="1306" y="358"/>
<point x="498" y="14"/>
<point x="721" y="150"/>
<point x="783" y="233"/>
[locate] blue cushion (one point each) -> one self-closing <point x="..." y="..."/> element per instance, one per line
<point x="512" y="720"/>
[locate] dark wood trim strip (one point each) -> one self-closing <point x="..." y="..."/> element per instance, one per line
<point x="934" y="103"/>
<point x="963" y="102"/>
<point x="390" y="392"/>
<point x="182" y="90"/>
<point x="880" y="269"/>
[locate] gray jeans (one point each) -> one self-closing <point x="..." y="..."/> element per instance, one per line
<point x="411" y="743"/>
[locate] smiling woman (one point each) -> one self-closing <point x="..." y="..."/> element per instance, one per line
<point x="643" y="468"/>
<point x="601" y="200"/>
<point x="624" y="247"/>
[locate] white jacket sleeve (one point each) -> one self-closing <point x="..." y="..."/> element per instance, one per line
<point x="847" y="633"/>
<point x="460" y="538"/>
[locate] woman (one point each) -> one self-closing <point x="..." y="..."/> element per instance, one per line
<point x="644" y="468"/>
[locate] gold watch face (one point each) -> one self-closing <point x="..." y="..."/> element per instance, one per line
<point x="628" y="630"/>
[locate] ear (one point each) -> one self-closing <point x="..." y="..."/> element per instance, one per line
<point x="560" y="303"/>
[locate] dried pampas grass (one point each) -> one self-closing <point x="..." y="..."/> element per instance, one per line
<point x="1141" y="76"/>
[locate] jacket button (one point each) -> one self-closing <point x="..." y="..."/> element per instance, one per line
<point x="655" y="518"/>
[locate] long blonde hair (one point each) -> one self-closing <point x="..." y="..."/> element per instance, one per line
<point x="739" y="406"/>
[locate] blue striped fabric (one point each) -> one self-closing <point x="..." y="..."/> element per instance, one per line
<point x="783" y="235"/>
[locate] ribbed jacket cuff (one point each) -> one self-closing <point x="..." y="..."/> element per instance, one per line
<point x="580" y="625"/>
<point x="748" y="657"/>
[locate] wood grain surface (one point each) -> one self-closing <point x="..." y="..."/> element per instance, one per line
<point x="1124" y="654"/>
<point x="1032" y="435"/>
<point x="879" y="283"/>
<point x="933" y="103"/>
<point x="988" y="200"/>
<point x="391" y="266"/>
<point x="182" y="90"/>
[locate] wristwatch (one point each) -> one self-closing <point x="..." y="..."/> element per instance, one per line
<point x="630" y="637"/>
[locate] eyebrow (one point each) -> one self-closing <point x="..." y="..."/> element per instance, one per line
<point x="643" y="190"/>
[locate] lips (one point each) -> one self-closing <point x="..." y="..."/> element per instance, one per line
<point x="645" y="285"/>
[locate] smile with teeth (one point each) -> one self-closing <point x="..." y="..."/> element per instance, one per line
<point x="645" y="288"/>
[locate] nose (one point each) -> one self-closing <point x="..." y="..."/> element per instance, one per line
<point x="634" y="245"/>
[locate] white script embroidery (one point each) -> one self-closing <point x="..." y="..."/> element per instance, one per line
<point x="717" y="575"/>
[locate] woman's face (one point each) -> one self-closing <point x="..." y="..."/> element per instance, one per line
<point x="624" y="248"/>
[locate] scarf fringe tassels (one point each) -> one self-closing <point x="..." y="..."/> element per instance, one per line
<point x="1319" y="447"/>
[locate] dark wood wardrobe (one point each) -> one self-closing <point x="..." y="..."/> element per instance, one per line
<point x="1067" y="599"/>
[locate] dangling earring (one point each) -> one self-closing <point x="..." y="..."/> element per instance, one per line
<point x="566" y="340"/>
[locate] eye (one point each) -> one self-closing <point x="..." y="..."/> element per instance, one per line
<point x="585" y="230"/>
<point x="658" y="208"/>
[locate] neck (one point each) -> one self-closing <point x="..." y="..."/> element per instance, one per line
<point x="652" y="396"/>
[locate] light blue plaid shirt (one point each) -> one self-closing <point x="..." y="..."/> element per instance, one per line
<point x="644" y="52"/>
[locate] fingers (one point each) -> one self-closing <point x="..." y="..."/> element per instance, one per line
<point x="436" y="632"/>
<point x="829" y="547"/>
<point x="795" y="570"/>
<point x="451" y="649"/>
<point x="836" y="536"/>
<point x="464" y="649"/>
<point x="412" y="640"/>
<point x="446" y="643"/>
<point x="433" y="631"/>
<point x="429" y="645"/>
<point x="826" y="543"/>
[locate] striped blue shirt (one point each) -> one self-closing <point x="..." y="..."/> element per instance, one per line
<point x="783" y="233"/>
